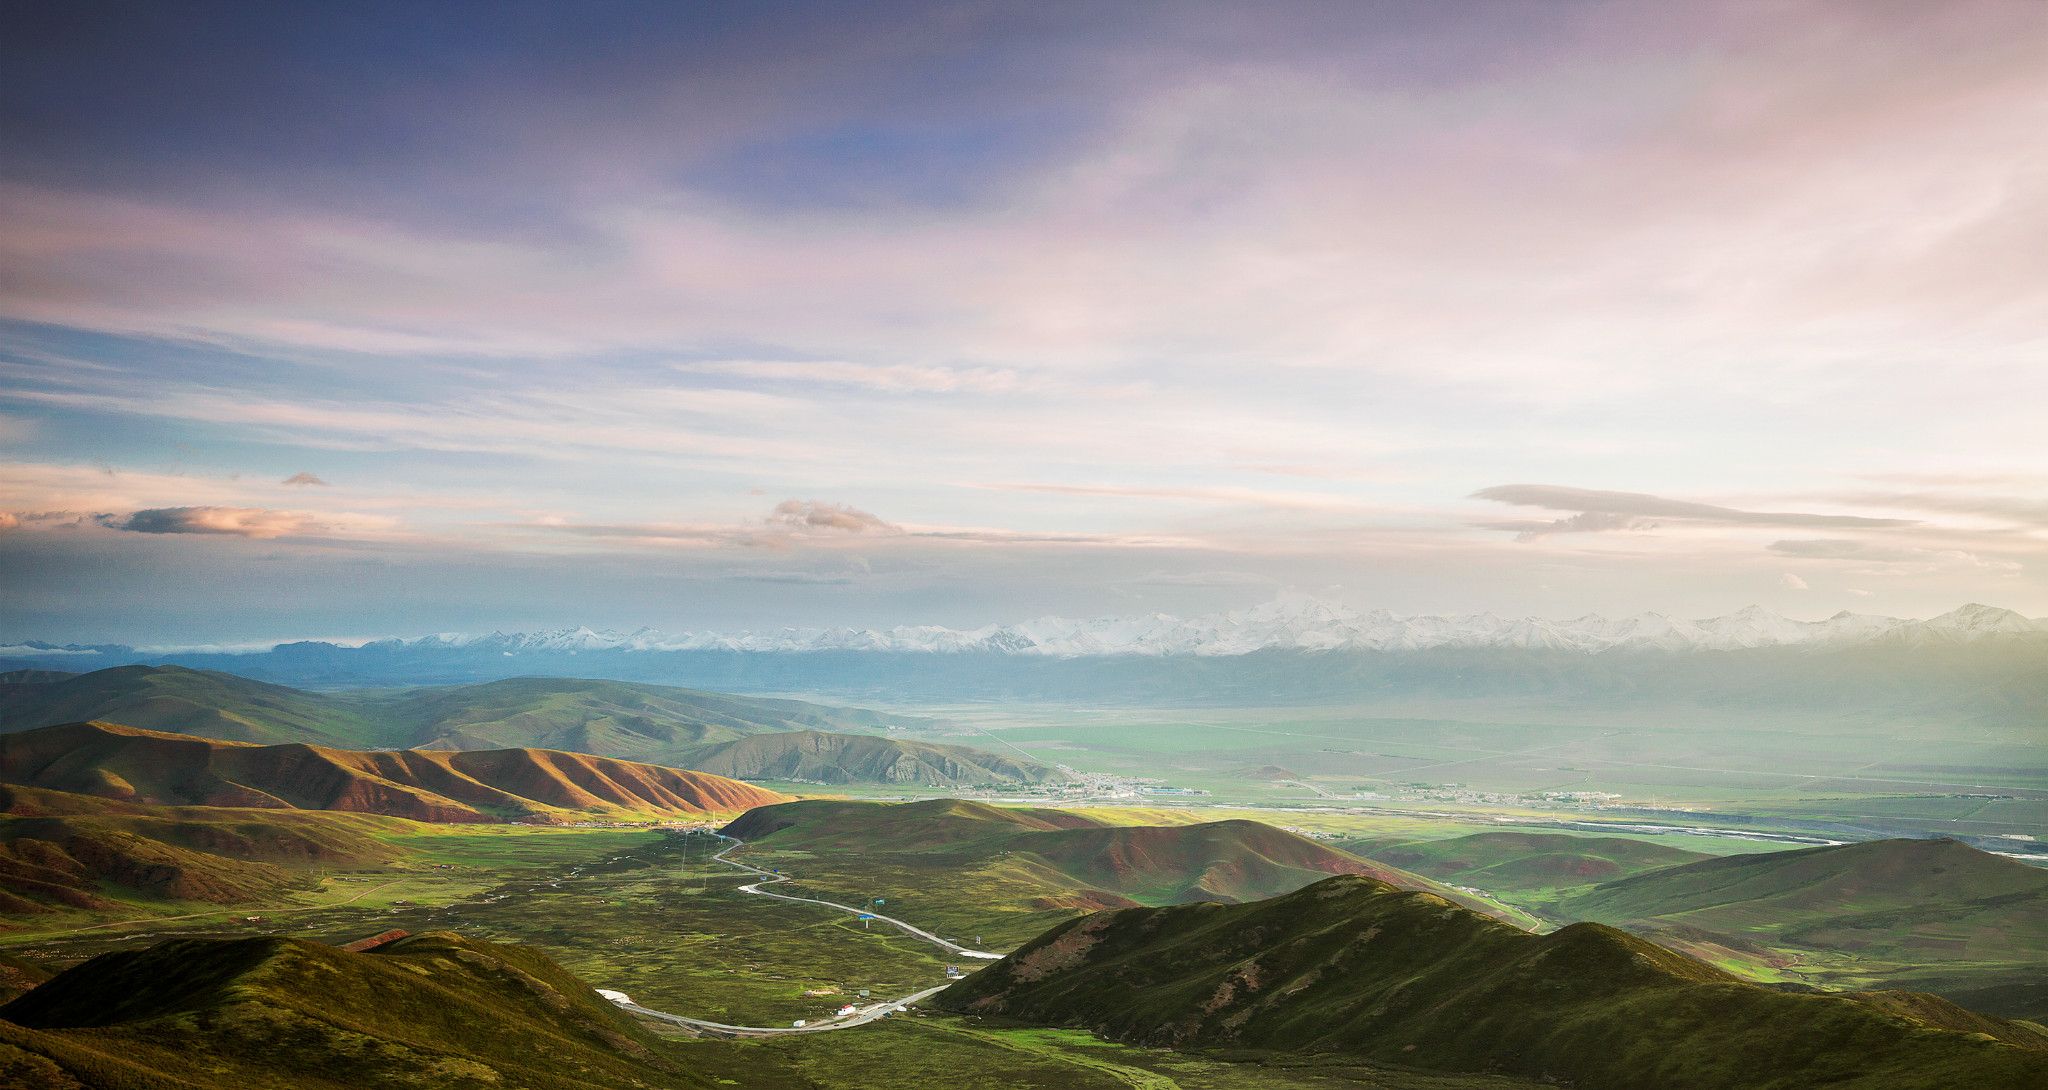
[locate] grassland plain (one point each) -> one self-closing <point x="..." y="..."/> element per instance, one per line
<point x="1771" y="768"/>
<point x="1354" y="966"/>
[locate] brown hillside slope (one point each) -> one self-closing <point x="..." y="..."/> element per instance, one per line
<point x="70" y="864"/>
<point x="124" y="763"/>
<point x="276" y="836"/>
<point x="1352" y="965"/>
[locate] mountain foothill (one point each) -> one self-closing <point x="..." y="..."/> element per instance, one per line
<point x="733" y="736"/>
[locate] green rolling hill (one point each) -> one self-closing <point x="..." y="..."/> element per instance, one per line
<point x="180" y="701"/>
<point x="1932" y="915"/>
<point x="1351" y="965"/>
<point x="1524" y="861"/>
<point x="433" y="1010"/>
<point x="651" y="724"/>
<point x="1775" y="889"/>
<point x="816" y="757"/>
<point x="1007" y="873"/>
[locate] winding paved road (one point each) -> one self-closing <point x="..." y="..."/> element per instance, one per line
<point x="860" y="1017"/>
<point x="772" y="878"/>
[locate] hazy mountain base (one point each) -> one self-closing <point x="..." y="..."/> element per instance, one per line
<point x="625" y="719"/>
<point x="1353" y="966"/>
<point x="1993" y="680"/>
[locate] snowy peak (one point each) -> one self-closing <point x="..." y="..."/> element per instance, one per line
<point x="1300" y="623"/>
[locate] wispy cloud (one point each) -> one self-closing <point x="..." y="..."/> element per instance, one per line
<point x="810" y="516"/>
<point x="884" y="378"/>
<point x="802" y="578"/>
<point x="1868" y="552"/>
<point x="2027" y="510"/>
<point x="1201" y="579"/>
<point x="1601" y="511"/>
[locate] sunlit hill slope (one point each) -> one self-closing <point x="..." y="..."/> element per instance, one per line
<point x="125" y="763"/>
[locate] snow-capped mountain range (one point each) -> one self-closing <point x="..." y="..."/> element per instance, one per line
<point x="1291" y="623"/>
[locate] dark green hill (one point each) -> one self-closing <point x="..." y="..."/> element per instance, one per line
<point x="1916" y="901"/>
<point x="1353" y="965"/>
<point x="651" y="724"/>
<point x="17" y="976"/>
<point x="434" y="1010"/>
<point x="1510" y="860"/>
<point x="814" y="757"/>
<point x="34" y="677"/>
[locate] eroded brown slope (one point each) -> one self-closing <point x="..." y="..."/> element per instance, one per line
<point x="124" y="763"/>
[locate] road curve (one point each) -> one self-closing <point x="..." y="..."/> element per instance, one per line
<point x="908" y="929"/>
<point x="860" y="1017"/>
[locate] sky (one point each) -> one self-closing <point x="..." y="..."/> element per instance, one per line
<point x="347" y="321"/>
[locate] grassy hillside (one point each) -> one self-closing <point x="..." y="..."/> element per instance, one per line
<point x="1005" y="874"/>
<point x="276" y="836"/>
<point x="614" y="718"/>
<point x="51" y="864"/>
<point x="1353" y="965"/>
<point x="181" y="701"/>
<point x="1524" y="861"/>
<point x="124" y="763"/>
<point x="632" y="720"/>
<point x="683" y="728"/>
<point x="1914" y="901"/>
<point x="432" y="1010"/>
<point x="814" y="757"/>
